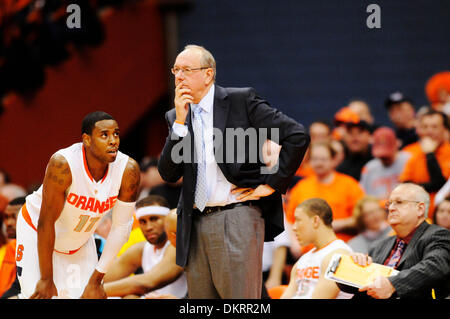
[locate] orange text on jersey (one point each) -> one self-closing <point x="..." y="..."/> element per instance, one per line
<point x="308" y="272"/>
<point x="91" y="203"/>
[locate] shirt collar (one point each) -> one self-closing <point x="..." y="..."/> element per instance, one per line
<point x="408" y="237"/>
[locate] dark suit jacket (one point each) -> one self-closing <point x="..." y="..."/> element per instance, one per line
<point x="236" y="108"/>
<point x="425" y="263"/>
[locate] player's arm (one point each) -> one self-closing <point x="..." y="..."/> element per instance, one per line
<point x="162" y="274"/>
<point x="122" y="219"/>
<point x="126" y="264"/>
<point x="56" y="180"/>
<point x="292" y="287"/>
<point x="327" y="289"/>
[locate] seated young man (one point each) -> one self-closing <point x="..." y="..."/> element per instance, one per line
<point x="156" y="256"/>
<point x="312" y="225"/>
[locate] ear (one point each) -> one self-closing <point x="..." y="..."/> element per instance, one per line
<point x="86" y="138"/>
<point x="209" y="75"/>
<point x="316" y="221"/>
<point x="421" y="210"/>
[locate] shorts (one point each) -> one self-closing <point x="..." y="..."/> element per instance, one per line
<point x="71" y="272"/>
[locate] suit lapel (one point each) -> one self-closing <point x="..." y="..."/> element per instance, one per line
<point x="386" y="250"/>
<point x="192" y="148"/>
<point x="221" y="108"/>
<point x="412" y="244"/>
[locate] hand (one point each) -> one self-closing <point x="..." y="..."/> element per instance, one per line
<point x="381" y="288"/>
<point x="182" y="99"/>
<point x="94" y="289"/>
<point x="272" y="282"/>
<point x="428" y="145"/>
<point x="361" y="259"/>
<point x="45" y="289"/>
<point x="253" y="193"/>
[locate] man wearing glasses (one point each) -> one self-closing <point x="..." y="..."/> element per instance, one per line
<point x="227" y="206"/>
<point x="420" y="251"/>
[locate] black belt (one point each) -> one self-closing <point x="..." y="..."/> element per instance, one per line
<point x="212" y="209"/>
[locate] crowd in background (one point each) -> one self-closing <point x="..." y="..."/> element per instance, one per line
<point x="34" y="34"/>
<point x="352" y="163"/>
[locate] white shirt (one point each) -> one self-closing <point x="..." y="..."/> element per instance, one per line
<point x="308" y="270"/>
<point x="219" y="188"/>
<point x="150" y="258"/>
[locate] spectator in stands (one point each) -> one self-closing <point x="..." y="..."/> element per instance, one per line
<point x="429" y="164"/>
<point x="8" y="244"/>
<point x="170" y="191"/>
<point x="150" y="177"/>
<point x="380" y="175"/>
<point x="343" y="116"/>
<point x="371" y="220"/>
<point x="403" y="115"/>
<point x="319" y="131"/>
<point x="339" y="190"/>
<point x="361" y="108"/>
<point x="420" y="251"/>
<point x="357" y="148"/>
<point x="443" y="193"/>
<point x="442" y="215"/>
<point x="313" y="219"/>
<point x="11" y="191"/>
<point x="437" y="89"/>
<point x="340" y="151"/>
<point x="156" y="256"/>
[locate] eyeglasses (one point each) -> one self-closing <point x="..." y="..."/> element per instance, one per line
<point x="399" y="202"/>
<point x="186" y="71"/>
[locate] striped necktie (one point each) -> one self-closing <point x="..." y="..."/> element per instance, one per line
<point x="201" y="190"/>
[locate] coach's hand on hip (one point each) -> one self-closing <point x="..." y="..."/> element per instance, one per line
<point x="253" y="193"/>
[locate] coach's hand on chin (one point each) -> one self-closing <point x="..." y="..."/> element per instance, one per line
<point x="94" y="289"/>
<point x="45" y="289"/>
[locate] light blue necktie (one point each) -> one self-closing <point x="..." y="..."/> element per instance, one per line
<point x="201" y="190"/>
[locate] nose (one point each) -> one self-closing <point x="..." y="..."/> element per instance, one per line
<point x="147" y="226"/>
<point x="112" y="140"/>
<point x="179" y="76"/>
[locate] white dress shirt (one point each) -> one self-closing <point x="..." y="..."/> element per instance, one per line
<point x="219" y="188"/>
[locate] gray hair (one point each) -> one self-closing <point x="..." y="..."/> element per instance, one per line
<point x="421" y="195"/>
<point x="207" y="58"/>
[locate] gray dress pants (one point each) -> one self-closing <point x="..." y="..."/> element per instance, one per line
<point x="225" y="258"/>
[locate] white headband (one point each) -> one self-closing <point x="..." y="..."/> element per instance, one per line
<point x="152" y="210"/>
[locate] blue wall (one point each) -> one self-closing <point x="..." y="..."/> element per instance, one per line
<point x="309" y="58"/>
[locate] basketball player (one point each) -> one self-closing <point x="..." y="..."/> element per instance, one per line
<point x="156" y="256"/>
<point x="56" y="254"/>
<point x="312" y="225"/>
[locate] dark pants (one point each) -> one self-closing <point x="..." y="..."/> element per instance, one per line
<point x="225" y="258"/>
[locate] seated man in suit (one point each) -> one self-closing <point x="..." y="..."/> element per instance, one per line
<point x="420" y="251"/>
<point x="229" y="202"/>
